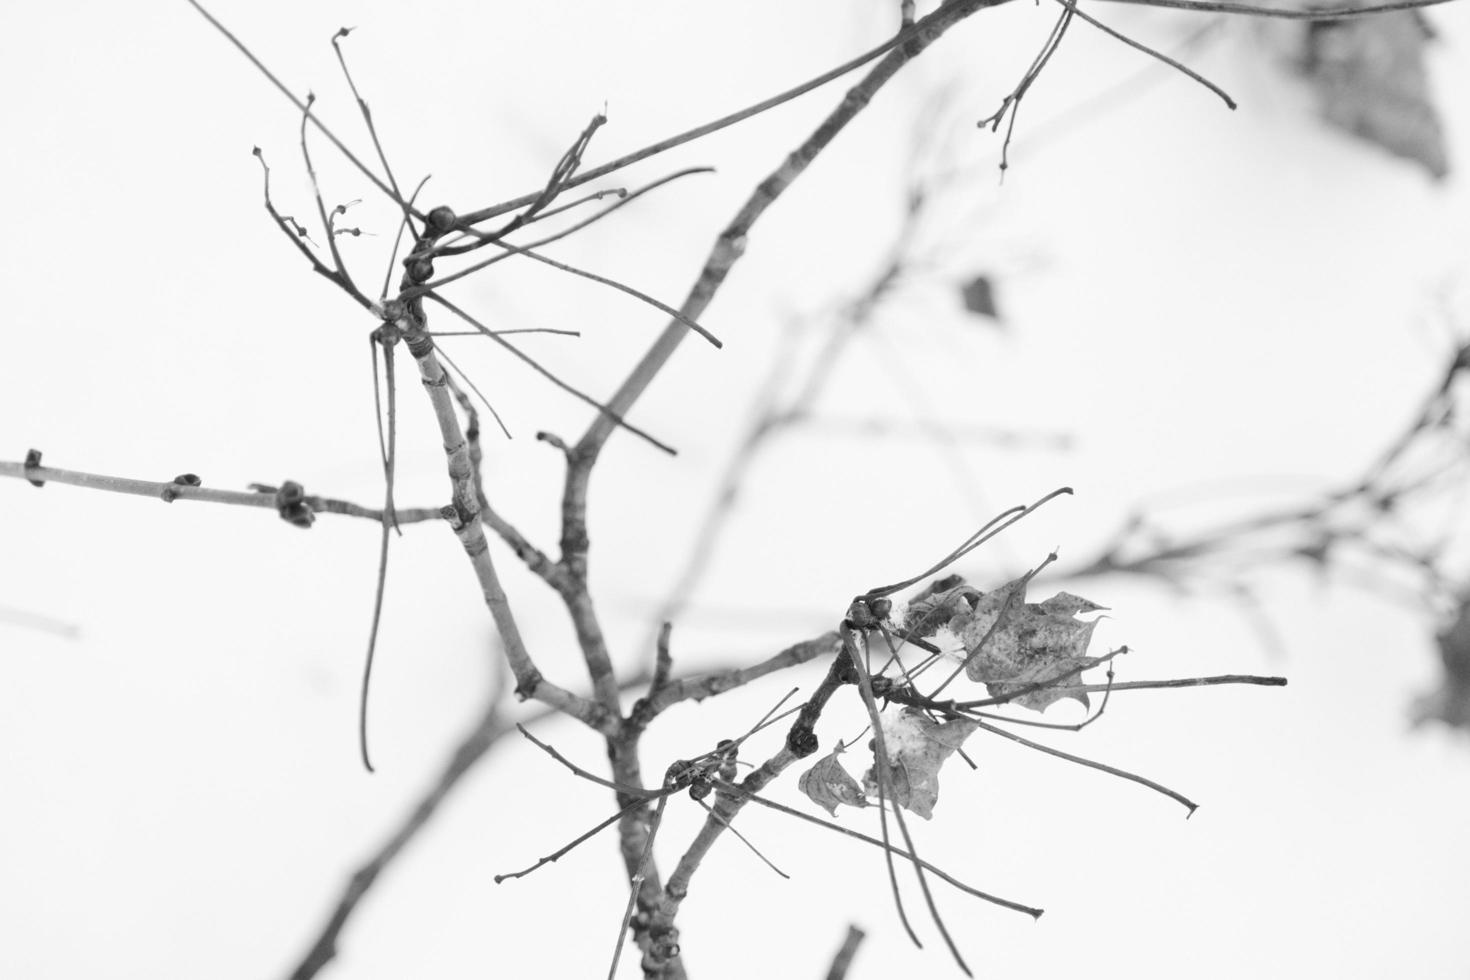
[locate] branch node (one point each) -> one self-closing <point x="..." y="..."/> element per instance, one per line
<point x="33" y="461"/>
<point x="526" y="686"/>
<point x="170" y="492"/>
<point x="442" y="219"/>
<point x="802" y="741"/>
<point x="292" y="506"/>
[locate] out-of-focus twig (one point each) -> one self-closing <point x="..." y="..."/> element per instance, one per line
<point x="842" y="960"/>
<point x="1359" y="516"/>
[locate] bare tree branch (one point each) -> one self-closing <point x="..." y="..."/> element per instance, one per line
<point x="730" y="244"/>
<point x="173" y="490"/>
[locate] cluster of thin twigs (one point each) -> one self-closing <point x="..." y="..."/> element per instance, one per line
<point x="443" y="250"/>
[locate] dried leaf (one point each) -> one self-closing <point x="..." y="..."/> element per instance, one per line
<point x="978" y="295"/>
<point x="917" y="746"/>
<point x="1369" y="77"/>
<point x="1450" y="702"/>
<point x="1011" y="644"/>
<point x="936" y="609"/>
<point x="829" y="785"/>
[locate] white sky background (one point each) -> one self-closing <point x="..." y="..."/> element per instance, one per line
<point x="1195" y="295"/>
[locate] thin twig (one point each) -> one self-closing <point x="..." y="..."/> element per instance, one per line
<point x="751" y="797"/>
<point x="26" y="619"/>
<point x="594" y="277"/>
<point x="305" y="108"/>
<point x="1308" y="13"/>
<point x="741" y="837"/>
<point x="1159" y="55"/>
<point x="367" y="118"/>
<point x="563" y="851"/>
<point x="1147" y="686"/>
<point x="1340" y="516"/>
<point x="636" y="791"/>
<point x="295" y="232"/>
<point x="403" y="225"/>
<point x="1121" y="773"/>
<point x="535" y="366"/>
<point x="379" y="591"/>
<point x="730" y="244"/>
<point x="903" y="38"/>
<point x="171" y="491"/>
<point x="706" y="685"/>
<point x="344" y="279"/>
<point x="387" y="336"/>
<point x="635" y="883"/>
<point x="625" y="198"/>
<point x="996" y="525"/>
<point x="476" y="389"/>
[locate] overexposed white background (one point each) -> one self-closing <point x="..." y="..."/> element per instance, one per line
<point x="1194" y="295"/>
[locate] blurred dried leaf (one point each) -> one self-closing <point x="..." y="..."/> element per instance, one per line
<point x="978" y="296"/>
<point x="1369" y="77"/>
<point x="1450" y="702"/>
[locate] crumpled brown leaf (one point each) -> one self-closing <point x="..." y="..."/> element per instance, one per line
<point x="1012" y="644"/>
<point x="917" y="746"/>
<point x="829" y="785"/>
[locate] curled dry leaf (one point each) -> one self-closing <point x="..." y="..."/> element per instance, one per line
<point x="917" y="746"/>
<point x="1011" y="644"/>
<point x="944" y="605"/>
<point x="829" y="785"/>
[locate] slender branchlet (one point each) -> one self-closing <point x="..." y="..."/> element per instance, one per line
<point x="173" y="490"/>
